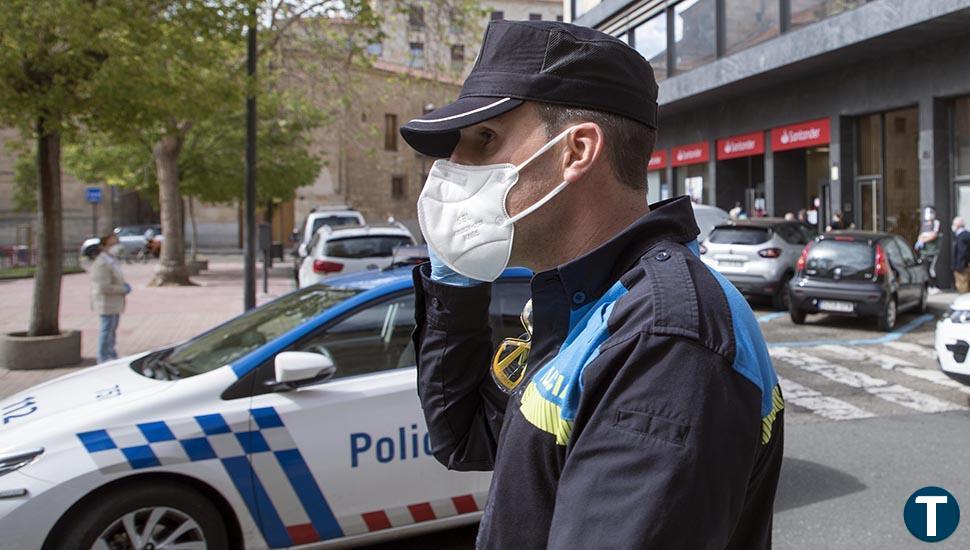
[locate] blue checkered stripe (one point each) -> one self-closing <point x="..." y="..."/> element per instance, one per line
<point x="229" y="438"/>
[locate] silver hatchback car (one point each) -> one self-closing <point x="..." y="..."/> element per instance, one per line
<point x="758" y="255"/>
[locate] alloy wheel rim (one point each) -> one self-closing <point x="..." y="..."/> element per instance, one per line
<point x="152" y="528"/>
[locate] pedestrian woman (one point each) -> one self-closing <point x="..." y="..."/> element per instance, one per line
<point x="108" y="290"/>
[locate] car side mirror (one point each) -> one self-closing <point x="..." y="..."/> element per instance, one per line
<point x="301" y="251"/>
<point x="296" y="369"/>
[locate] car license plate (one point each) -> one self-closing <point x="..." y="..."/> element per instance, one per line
<point x="730" y="263"/>
<point x="832" y="305"/>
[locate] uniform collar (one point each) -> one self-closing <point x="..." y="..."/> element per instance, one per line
<point x="588" y="277"/>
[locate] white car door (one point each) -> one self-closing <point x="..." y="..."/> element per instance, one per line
<point x="352" y="455"/>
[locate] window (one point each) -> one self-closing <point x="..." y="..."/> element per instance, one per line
<point x="695" y="36"/>
<point x="416" y="16"/>
<point x="457" y="57"/>
<point x="373" y="339"/>
<point x="726" y="234"/>
<point x="497" y="15"/>
<point x="790" y="234"/>
<point x="368" y="246"/>
<point x="580" y="7"/>
<point x="961" y="137"/>
<point x="748" y="22"/>
<point x="846" y="259"/>
<point x="234" y="339"/>
<point x="390" y="132"/>
<point x="333" y="221"/>
<point x="375" y="49"/>
<point x="650" y="39"/>
<point x="416" y="58"/>
<point x="559" y="18"/>
<point x="806" y="12"/>
<point x="397" y="187"/>
<point x="535" y="17"/>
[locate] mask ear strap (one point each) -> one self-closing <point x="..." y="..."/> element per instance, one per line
<point x="536" y="205"/>
<point x="544" y="148"/>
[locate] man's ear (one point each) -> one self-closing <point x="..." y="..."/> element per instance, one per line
<point x="584" y="148"/>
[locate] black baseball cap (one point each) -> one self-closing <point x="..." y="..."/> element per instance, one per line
<point x="543" y="61"/>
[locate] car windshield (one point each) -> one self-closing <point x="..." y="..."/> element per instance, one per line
<point x="333" y="221"/>
<point x="364" y="247"/>
<point x="230" y="341"/>
<point x="830" y="258"/>
<point x="739" y="235"/>
<point x="129" y="231"/>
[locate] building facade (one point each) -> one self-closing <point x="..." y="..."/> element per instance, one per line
<point x="861" y="107"/>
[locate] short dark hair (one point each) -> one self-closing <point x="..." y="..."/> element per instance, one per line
<point x="630" y="143"/>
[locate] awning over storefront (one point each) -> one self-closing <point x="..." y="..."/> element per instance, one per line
<point x="693" y="153"/>
<point x="658" y="160"/>
<point x="744" y="145"/>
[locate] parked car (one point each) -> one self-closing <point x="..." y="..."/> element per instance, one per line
<point x="707" y="217"/>
<point x="757" y="255"/>
<point x="132" y="237"/>
<point x="294" y="423"/>
<point x="349" y="249"/>
<point x="858" y="273"/>
<point x="334" y="216"/>
<point x="953" y="340"/>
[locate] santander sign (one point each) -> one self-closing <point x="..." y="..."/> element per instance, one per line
<point x="797" y="136"/>
<point x="690" y="154"/>
<point x="744" y="145"/>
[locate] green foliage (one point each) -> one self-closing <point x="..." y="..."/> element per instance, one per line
<point x="25" y="176"/>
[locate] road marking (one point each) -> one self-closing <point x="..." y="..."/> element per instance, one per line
<point x="889" y="362"/>
<point x="822" y="405"/>
<point x="916" y="349"/>
<point x="891" y="337"/>
<point x="771" y="316"/>
<point x="878" y="387"/>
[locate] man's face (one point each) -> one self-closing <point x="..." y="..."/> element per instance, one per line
<point x="513" y="138"/>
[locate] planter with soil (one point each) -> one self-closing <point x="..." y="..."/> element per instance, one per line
<point x="19" y="351"/>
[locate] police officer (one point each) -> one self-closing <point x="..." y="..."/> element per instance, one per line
<point x="648" y="414"/>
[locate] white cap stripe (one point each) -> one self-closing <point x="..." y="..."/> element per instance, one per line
<point x="473" y="111"/>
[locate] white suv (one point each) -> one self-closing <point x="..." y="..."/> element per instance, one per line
<point x="339" y="250"/>
<point x="334" y="216"/>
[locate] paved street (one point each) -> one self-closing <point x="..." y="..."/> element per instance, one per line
<point x="154" y="317"/>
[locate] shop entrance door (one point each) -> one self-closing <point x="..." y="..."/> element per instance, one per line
<point x="870" y="206"/>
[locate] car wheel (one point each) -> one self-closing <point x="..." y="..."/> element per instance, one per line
<point x="781" y="299"/>
<point x="149" y="515"/>
<point x="887" y="319"/>
<point x="797" y="315"/>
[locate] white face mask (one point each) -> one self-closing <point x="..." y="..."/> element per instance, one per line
<point x="462" y="213"/>
<point x="116" y="249"/>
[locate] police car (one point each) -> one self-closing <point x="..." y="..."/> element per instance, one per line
<point x="953" y="340"/>
<point x="295" y="424"/>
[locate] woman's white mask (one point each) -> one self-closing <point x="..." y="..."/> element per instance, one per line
<point x="463" y="218"/>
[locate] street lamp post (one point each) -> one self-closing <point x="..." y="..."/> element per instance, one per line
<point x="249" y="291"/>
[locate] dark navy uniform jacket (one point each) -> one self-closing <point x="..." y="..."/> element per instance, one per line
<point x="650" y="416"/>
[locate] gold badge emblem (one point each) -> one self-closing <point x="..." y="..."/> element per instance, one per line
<point x="509" y="362"/>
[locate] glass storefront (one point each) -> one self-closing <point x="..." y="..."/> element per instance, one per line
<point x="806" y="12"/>
<point x="650" y="39"/>
<point x="748" y="22"/>
<point x="961" y="156"/>
<point x="693" y="180"/>
<point x="657" y="187"/>
<point x="580" y="7"/>
<point x="695" y="33"/>
<point x="888" y="172"/>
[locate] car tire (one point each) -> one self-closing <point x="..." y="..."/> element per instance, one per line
<point x="924" y="299"/>
<point x="797" y="315"/>
<point x="887" y="319"/>
<point x="171" y="505"/>
<point x="781" y="299"/>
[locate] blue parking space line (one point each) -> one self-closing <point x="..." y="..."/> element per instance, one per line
<point x="258" y="501"/>
<point x="771" y="316"/>
<point x="890" y="337"/>
<point x="307" y="490"/>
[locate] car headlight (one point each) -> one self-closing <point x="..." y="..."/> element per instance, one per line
<point x="11" y="462"/>
<point x="958" y="315"/>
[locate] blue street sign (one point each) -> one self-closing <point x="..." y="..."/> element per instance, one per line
<point x="93" y="194"/>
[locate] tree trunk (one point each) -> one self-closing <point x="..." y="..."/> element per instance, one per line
<point x="194" y="241"/>
<point x="47" y="278"/>
<point x="171" y="266"/>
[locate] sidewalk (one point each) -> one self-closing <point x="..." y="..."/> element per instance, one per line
<point x="939" y="303"/>
<point x="153" y="317"/>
